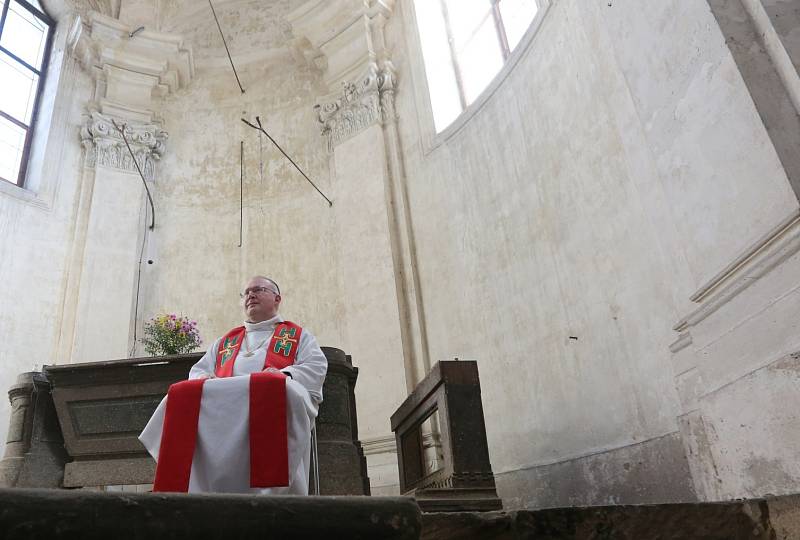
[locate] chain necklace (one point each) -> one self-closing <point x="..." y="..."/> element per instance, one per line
<point x="250" y="352"/>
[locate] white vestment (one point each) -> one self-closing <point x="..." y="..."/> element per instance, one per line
<point x="221" y="462"/>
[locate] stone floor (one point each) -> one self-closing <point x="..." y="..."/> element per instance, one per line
<point x="771" y="519"/>
<point x="79" y="514"/>
<point x="53" y="514"/>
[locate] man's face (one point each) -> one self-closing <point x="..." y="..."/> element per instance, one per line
<point x="260" y="300"/>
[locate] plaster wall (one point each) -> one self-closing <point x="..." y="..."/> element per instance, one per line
<point x="333" y="263"/>
<point x="563" y="226"/>
<point x="198" y="266"/>
<point x="736" y="367"/>
<point x="37" y="222"/>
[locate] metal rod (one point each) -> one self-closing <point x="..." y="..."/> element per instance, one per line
<point x="141" y="175"/>
<point x="261" y="128"/>
<point x="226" y="47"/>
<point x="241" y="190"/>
<point x="315" y="458"/>
<point x="138" y="288"/>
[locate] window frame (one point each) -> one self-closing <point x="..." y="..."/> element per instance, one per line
<point x="430" y="139"/>
<point x="41" y="73"/>
<point x="502" y="42"/>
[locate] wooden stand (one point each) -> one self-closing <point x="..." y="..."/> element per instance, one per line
<point x="464" y="481"/>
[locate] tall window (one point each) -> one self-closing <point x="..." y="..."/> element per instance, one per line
<point x="465" y="43"/>
<point x="25" y="34"/>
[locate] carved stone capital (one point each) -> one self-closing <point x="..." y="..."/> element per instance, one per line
<point x="388" y="83"/>
<point x="359" y="105"/>
<point x="105" y="146"/>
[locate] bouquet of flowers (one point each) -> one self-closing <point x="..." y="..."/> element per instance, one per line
<point x="170" y="334"/>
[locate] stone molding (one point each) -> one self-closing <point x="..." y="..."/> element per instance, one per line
<point x="683" y="341"/>
<point x="132" y="73"/>
<point x="339" y="37"/>
<point x="782" y="242"/>
<point x="104" y="145"/>
<point x="767" y="253"/>
<point x="383" y="444"/>
<point x="358" y="105"/>
<point x="109" y="8"/>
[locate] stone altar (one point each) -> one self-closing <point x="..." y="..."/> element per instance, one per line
<point x="77" y="425"/>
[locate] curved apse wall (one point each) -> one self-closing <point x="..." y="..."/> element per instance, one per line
<point x="563" y="222"/>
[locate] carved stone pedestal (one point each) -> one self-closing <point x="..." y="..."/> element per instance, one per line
<point x="342" y="465"/>
<point x="35" y="454"/>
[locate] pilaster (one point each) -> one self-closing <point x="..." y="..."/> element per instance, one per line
<point x="131" y="73"/>
<point x="345" y="42"/>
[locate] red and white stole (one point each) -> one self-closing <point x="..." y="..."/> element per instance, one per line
<point x="269" y="452"/>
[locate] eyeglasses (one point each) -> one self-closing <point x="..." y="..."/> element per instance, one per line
<point x="255" y="290"/>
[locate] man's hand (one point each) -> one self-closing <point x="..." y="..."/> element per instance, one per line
<point x="271" y="369"/>
<point x="205" y="376"/>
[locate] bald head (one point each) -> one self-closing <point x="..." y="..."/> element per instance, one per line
<point x="275" y="283"/>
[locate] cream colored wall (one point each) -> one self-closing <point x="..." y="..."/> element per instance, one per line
<point x="332" y="263"/>
<point x="288" y="229"/>
<point x="619" y="166"/>
<point x="37" y="222"/>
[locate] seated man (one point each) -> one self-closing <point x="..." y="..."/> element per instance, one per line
<point x="232" y="398"/>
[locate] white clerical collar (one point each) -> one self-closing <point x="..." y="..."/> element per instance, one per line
<point x="263" y="326"/>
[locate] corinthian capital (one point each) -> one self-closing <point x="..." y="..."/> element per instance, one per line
<point x="105" y="146"/>
<point x="358" y="105"/>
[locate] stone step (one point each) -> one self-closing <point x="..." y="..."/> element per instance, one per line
<point x="775" y="518"/>
<point x="49" y="514"/>
<point x="34" y="514"/>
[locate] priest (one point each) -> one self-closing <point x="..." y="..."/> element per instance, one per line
<point x="242" y="422"/>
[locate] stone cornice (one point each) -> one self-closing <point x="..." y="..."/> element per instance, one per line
<point x="779" y="244"/>
<point x="321" y="21"/>
<point x="340" y="37"/>
<point x="104" y="144"/>
<point x="358" y="105"/>
<point x="132" y="72"/>
<point x="109" y="8"/>
<point x="379" y="445"/>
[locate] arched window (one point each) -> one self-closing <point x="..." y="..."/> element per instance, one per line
<point x="25" y="35"/>
<point x="465" y="44"/>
